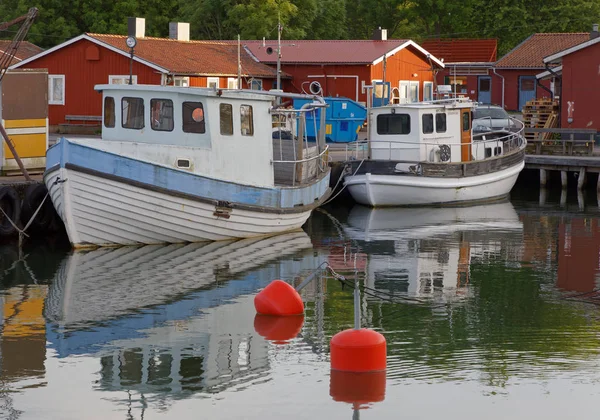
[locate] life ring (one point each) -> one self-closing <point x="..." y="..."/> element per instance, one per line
<point x="45" y="220"/>
<point x="11" y="205"/>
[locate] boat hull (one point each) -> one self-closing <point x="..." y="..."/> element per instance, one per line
<point x="99" y="211"/>
<point x="409" y="190"/>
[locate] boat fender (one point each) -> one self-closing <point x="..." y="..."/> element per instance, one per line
<point x="11" y="208"/>
<point x="45" y="219"/>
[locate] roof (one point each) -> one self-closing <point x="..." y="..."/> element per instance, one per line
<point x="548" y="74"/>
<point x="200" y="58"/>
<point x="332" y="51"/>
<point x="531" y="52"/>
<point x="561" y="54"/>
<point x="26" y="50"/>
<point x="463" y="50"/>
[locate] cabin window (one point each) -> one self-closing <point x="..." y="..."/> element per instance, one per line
<point x="132" y="113"/>
<point x="488" y="152"/>
<point x="440" y="122"/>
<point x="226" y="112"/>
<point x="466" y="121"/>
<point x="393" y="124"/>
<point x="193" y="118"/>
<point x="427" y="123"/>
<point x="161" y="114"/>
<point x="497" y="151"/>
<point x="109" y="112"/>
<point x="247" y="120"/>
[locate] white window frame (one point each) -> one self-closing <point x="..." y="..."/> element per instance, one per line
<point x="232" y="83"/>
<point x="411" y="85"/>
<point x="124" y="77"/>
<point x="425" y="84"/>
<point x="404" y="88"/>
<point x="51" y="79"/>
<point x="259" y="81"/>
<point x="211" y="80"/>
<point x="182" y="81"/>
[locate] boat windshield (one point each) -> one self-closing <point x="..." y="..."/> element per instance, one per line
<point x="489" y="113"/>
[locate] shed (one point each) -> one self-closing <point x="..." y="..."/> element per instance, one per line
<point x="517" y="70"/>
<point x="77" y="65"/>
<point x="468" y="65"/>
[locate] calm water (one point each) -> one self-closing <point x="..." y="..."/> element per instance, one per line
<point x="488" y="311"/>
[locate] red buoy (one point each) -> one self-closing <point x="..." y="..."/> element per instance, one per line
<point x="279" y="298"/>
<point x="357" y="388"/>
<point x="279" y="329"/>
<point x="358" y="350"/>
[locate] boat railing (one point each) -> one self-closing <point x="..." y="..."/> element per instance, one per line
<point x="485" y="146"/>
<point x="300" y="154"/>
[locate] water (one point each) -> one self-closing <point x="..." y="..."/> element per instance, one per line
<point x="488" y="312"/>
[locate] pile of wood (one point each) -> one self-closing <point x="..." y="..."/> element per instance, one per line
<point x="540" y="113"/>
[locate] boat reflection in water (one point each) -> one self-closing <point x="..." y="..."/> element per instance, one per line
<point x="170" y="321"/>
<point x="427" y="252"/>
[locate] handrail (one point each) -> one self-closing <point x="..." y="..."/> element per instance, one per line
<point x="303" y="160"/>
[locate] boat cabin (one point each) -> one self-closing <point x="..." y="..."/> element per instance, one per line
<point x="224" y="134"/>
<point x="437" y="131"/>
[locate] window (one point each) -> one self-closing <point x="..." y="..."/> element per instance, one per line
<point x="181" y="81"/>
<point x="427" y="120"/>
<point x="232" y="83"/>
<point x="161" y="114"/>
<point x="466" y="121"/>
<point x="427" y="91"/>
<point x="56" y="89"/>
<point x="226" y="111"/>
<point x="393" y="124"/>
<point x="109" y="111"/>
<point x="212" y="82"/>
<point x="193" y="117"/>
<point x="247" y="120"/>
<point x="256" y="84"/>
<point x="404" y="91"/>
<point x="122" y="80"/>
<point x="458" y="83"/>
<point x="132" y="113"/>
<point x="414" y="91"/>
<point x="440" y="123"/>
<point x="381" y="89"/>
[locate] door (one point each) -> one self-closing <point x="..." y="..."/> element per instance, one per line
<point x="484" y="89"/>
<point x="526" y="90"/>
<point x="465" y="135"/>
<point x="381" y="93"/>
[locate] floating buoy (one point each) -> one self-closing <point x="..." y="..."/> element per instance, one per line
<point x="279" y="329"/>
<point x="279" y="298"/>
<point x="358" y="350"/>
<point x="357" y="388"/>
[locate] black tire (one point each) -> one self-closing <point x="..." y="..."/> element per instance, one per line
<point x="11" y="204"/>
<point x="45" y="219"/>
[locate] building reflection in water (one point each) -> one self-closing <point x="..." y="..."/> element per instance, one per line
<point x="170" y="321"/>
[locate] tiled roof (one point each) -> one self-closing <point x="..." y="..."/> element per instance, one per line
<point x="323" y="51"/>
<point x="26" y="50"/>
<point x="531" y="52"/>
<point x="206" y="58"/>
<point x="463" y="50"/>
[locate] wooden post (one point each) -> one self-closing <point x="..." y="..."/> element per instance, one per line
<point x="543" y="196"/>
<point x="543" y="178"/>
<point x="598" y="184"/>
<point x="580" y="200"/>
<point x="581" y="179"/>
<point x="563" y="197"/>
<point x="563" y="179"/>
<point x="572" y="138"/>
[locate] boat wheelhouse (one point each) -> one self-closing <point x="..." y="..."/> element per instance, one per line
<point x="179" y="164"/>
<point x="427" y="153"/>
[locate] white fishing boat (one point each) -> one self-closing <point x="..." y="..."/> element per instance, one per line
<point x="426" y="153"/>
<point x="179" y="164"/>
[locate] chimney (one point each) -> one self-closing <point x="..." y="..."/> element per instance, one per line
<point x="179" y="31"/>
<point x="380" y="34"/>
<point x="594" y="34"/>
<point x="136" y="27"/>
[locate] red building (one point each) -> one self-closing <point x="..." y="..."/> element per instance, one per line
<point x="468" y="65"/>
<point x="342" y="68"/>
<point x="76" y="66"/>
<point x="26" y="49"/>
<point x="575" y="79"/>
<point x="516" y="71"/>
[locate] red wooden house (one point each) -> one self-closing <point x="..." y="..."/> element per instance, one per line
<point x="574" y="75"/>
<point x="342" y="68"/>
<point x="468" y="65"/>
<point x="77" y="65"/>
<point x="517" y="70"/>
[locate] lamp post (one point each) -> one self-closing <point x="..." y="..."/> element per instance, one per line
<point x="131" y="43"/>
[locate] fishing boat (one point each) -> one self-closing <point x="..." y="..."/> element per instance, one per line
<point x="180" y="164"/>
<point x="427" y="153"/>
